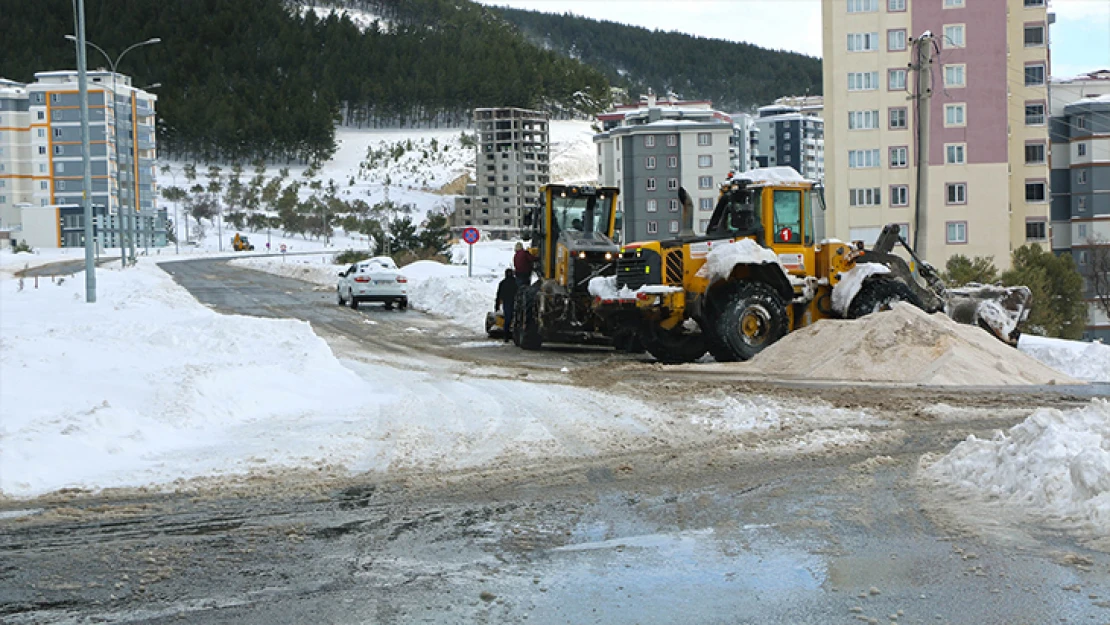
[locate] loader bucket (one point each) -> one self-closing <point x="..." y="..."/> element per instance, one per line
<point x="996" y="309"/>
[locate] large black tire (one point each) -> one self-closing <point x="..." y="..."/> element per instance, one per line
<point x="879" y="294"/>
<point x="675" y="347"/>
<point x="530" y="337"/>
<point x="354" y="302"/>
<point x="750" y="316"/>
<point x="339" y="296"/>
<point x="403" y="304"/>
<point x="720" y="351"/>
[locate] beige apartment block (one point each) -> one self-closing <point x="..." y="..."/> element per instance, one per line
<point x="988" y="136"/>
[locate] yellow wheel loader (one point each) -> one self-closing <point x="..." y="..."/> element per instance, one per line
<point x="758" y="272"/>
<point x="240" y="243"/>
<point x="571" y="231"/>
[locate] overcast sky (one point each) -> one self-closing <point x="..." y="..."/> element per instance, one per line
<point x="1080" y="37"/>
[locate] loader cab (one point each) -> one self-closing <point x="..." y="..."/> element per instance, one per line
<point x="572" y="229"/>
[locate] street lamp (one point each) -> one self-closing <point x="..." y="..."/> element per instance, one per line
<point x="115" y="117"/>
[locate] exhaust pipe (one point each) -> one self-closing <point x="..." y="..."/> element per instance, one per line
<point x="687" y="213"/>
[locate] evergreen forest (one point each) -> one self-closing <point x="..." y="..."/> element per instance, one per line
<point x="241" y="80"/>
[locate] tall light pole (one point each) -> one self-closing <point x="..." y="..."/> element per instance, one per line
<point x="86" y="195"/>
<point x="115" y="143"/>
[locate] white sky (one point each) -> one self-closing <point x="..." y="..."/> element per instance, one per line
<point x="1081" y="35"/>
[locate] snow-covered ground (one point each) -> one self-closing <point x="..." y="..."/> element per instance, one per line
<point x="148" y="386"/>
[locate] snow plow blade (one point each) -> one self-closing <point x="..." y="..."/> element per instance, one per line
<point x="996" y="309"/>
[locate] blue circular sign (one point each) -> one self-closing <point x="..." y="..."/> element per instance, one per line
<point x="470" y="235"/>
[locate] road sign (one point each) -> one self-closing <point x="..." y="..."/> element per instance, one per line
<point x="470" y="235"/>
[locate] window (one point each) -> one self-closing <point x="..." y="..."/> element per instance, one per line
<point x="863" y="42"/>
<point x="41" y="132"/>
<point x="703" y="225"/>
<point x="954" y="114"/>
<point x="649" y="162"/>
<point x="673" y="205"/>
<point x="649" y="141"/>
<point x="954" y="153"/>
<point x="954" y="36"/>
<point x="53" y="98"/>
<point x="61" y="184"/>
<point x="900" y="195"/>
<point x="42" y="149"/>
<point x="1081" y="123"/>
<point x="672" y="140"/>
<point x="899" y="157"/>
<point x="1081" y="149"/>
<point x="1081" y="206"/>
<point x="705" y="160"/>
<point x="42" y="168"/>
<point x="653" y="227"/>
<point x="863" y="6"/>
<point x="1081" y="176"/>
<point x="897" y="118"/>
<point x="705" y="204"/>
<point x="674" y="226"/>
<point x="896" y="80"/>
<point x="895" y="40"/>
<point x="1034" y="36"/>
<point x="3" y="199"/>
<point x="704" y="138"/>
<point x="57" y="149"/>
<point x="955" y="193"/>
<point x="1033" y="3"/>
<point x="954" y="75"/>
<point x="672" y="184"/>
<point x="1034" y="114"/>
<point x="1034" y="153"/>
<point x="672" y="162"/>
<point x="862" y="159"/>
<point x="957" y="232"/>
<point x="953" y="4"/>
<point x="894" y="6"/>
<point x="651" y="184"/>
<point x="862" y="81"/>
<point x="652" y="206"/>
<point x="864" y="197"/>
<point x="863" y="120"/>
<point x="1034" y="75"/>
<point x="1036" y="230"/>
<point x="705" y="182"/>
<point x="44" y="185"/>
<point x="41" y="114"/>
<point x="1035" y="191"/>
<point x="59" y="167"/>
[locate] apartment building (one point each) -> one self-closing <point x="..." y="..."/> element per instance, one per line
<point x="743" y="150"/>
<point x="1080" y="158"/>
<point x="513" y="161"/>
<point x="1063" y="91"/>
<point x="986" y="158"/>
<point x="651" y="149"/>
<point x="793" y="137"/>
<point x="41" y="158"/>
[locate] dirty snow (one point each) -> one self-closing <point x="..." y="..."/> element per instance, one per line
<point x="1055" y="463"/>
<point x="903" y="345"/>
<point x="850" y="283"/>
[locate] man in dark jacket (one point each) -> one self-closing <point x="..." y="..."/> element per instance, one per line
<point x="522" y="263"/>
<point x="506" y="295"/>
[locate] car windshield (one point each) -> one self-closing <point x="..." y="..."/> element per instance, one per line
<point x="584" y="214"/>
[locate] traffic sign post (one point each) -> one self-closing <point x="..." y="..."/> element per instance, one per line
<point x="470" y="236"/>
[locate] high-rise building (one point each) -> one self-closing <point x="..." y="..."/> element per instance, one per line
<point x="513" y="161"/>
<point x="649" y="150"/>
<point x="1080" y="157"/>
<point x="743" y="147"/>
<point x="792" y="137"/>
<point x="41" y="156"/>
<point x="987" y="172"/>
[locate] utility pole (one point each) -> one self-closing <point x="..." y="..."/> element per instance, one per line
<point x="922" y="65"/>
<point x="86" y="194"/>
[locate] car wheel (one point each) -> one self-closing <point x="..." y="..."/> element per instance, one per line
<point x="354" y="302"/>
<point x="339" y="297"/>
<point x="389" y="305"/>
<point x="403" y="304"/>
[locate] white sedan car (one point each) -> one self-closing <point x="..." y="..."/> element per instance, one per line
<point x="375" y="280"/>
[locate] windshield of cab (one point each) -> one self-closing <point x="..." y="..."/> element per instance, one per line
<point x="788" y="216"/>
<point x="582" y="214"/>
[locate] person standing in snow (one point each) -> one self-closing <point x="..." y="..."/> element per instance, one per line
<point x="506" y="295"/>
<point x="523" y="262"/>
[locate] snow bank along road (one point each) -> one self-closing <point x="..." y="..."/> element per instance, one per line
<point x="756" y="504"/>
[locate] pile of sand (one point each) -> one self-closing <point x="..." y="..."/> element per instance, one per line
<point x="902" y="345"/>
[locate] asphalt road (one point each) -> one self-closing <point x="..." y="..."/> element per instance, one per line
<point x="713" y="535"/>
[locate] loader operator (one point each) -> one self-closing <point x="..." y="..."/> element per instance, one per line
<point x="523" y="262"/>
<point x="506" y="295"/>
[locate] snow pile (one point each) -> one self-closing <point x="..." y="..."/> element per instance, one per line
<point x="463" y="300"/>
<point x="1086" y="361"/>
<point x="903" y="345"/>
<point x="850" y="283"/>
<point x="606" y="288"/>
<point x="771" y="175"/>
<point x="319" y="270"/>
<point x="1055" y="463"/>
<point x="107" y="393"/>
<point x="722" y="257"/>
